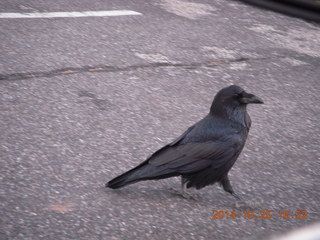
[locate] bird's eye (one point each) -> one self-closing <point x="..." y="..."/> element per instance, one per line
<point x="240" y="95"/>
<point x="237" y="95"/>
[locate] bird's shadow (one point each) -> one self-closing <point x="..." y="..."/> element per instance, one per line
<point x="147" y="193"/>
<point x="165" y="195"/>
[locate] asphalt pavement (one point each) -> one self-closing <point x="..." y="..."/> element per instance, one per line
<point x="85" y="99"/>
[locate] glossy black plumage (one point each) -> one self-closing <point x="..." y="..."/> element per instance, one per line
<point x="205" y="153"/>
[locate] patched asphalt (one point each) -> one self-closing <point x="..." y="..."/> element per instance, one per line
<point x="112" y="90"/>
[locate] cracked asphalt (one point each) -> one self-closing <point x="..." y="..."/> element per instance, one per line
<point x="84" y="99"/>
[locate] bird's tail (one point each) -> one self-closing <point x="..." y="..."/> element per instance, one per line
<point x="134" y="175"/>
<point x="122" y="180"/>
<point x="144" y="171"/>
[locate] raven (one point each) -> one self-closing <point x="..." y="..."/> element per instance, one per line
<point x="204" y="154"/>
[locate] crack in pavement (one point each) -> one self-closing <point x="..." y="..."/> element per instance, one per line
<point x="67" y="71"/>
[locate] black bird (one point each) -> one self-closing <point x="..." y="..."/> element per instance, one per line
<point x="205" y="153"/>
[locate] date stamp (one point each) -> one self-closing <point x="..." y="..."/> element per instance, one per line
<point x="262" y="214"/>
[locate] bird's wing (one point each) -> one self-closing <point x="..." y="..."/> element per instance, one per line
<point x="195" y="156"/>
<point x="173" y="143"/>
<point x="179" y="139"/>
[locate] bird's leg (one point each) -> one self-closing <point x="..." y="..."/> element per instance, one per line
<point x="183" y="186"/>
<point x="228" y="188"/>
<point x="183" y="193"/>
<point x="241" y="203"/>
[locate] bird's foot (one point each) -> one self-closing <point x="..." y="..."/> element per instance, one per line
<point x="236" y="195"/>
<point x="183" y="194"/>
<point x="249" y="203"/>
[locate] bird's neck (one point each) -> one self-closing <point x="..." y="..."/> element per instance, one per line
<point x="236" y="114"/>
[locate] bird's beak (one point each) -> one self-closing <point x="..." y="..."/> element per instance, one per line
<point x="247" y="98"/>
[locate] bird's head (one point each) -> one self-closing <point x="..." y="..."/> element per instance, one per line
<point x="232" y="97"/>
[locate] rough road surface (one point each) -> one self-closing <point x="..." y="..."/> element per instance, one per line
<point x="84" y="99"/>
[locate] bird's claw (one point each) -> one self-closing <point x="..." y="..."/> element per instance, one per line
<point x="189" y="196"/>
<point x="236" y="195"/>
<point x="183" y="194"/>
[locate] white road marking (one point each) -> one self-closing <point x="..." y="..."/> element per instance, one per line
<point x="70" y="14"/>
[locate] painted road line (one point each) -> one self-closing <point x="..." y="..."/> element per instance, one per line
<point x="70" y="14"/>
